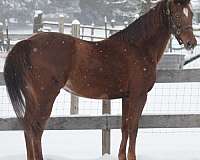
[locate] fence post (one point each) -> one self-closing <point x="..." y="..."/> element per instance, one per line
<point x="76" y="28"/>
<point x="136" y="16"/>
<point x="170" y="44"/>
<point x="113" y="26"/>
<point x="61" y="23"/>
<point x="37" y="25"/>
<point x="1" y="37"/>
<point x="106" y="109"/>
<point x="106" y="23"/>
<point x="82" y="31"/>
<point x="74" y="99"/>
<point x="92" y="32"/>
<point x="125" y="24"/>
<point x="7" y="36"/>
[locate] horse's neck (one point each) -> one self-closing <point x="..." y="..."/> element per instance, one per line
<point x="157" y="43"/>
<point x="150" y="32"/>
<point x="160" y="33"/>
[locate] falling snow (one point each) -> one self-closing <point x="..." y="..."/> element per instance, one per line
<point x="35" y="49"/>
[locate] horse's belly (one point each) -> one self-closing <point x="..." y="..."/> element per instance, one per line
<point x="94" y="91"/>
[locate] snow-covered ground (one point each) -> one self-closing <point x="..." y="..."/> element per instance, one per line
<point x="86" y="145"/>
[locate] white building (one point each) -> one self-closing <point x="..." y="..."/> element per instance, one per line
<point x="196" y="10"/>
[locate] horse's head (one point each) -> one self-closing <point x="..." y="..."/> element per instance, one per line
<point x="180" y="16"/>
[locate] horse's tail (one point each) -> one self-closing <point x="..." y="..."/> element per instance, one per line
<point x="16" y="64"/>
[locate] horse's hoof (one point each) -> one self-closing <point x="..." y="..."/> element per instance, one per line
<point x="122" y="157"/>
<point x="131" y="157"/>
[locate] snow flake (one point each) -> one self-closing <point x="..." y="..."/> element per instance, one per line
<point x="88" y="85"/>
<point x="35" y="49"/>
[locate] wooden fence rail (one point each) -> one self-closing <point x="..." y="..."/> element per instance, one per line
<point x="107" y="122"/>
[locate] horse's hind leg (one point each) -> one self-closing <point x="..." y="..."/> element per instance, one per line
<point x="32" y="139"/>
<point x="28" y="145"/>
<point x="124" y="128"/>
<point x="36" y="116"/>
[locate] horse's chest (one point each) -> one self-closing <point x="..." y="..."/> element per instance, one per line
<point x="149" y="76"/>
<point x="144" y="77"/>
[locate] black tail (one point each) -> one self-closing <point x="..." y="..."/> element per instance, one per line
<point x="17" y="62"/>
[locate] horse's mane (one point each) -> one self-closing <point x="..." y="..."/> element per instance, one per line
<point x="143" y="28"/>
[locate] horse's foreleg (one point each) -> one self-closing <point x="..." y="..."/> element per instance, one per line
<point x="124" y="128"/>
<point x="135" y="111"/>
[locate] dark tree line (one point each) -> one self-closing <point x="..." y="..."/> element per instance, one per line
<point x="87" y="11"/>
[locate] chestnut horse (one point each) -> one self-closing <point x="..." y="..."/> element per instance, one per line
<point x="121" y="66"/>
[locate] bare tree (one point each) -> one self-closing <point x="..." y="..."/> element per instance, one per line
<point x="146" y="5"/>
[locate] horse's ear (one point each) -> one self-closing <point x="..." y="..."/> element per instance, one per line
<point x="182" y="2"/>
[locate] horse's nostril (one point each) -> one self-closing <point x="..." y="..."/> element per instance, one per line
<point x="189" y="45"/>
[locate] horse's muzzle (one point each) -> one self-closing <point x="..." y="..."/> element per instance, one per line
<point x="190" y="44"/>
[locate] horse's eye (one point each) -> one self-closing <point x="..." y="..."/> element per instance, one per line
<point x="192" y="14"/>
